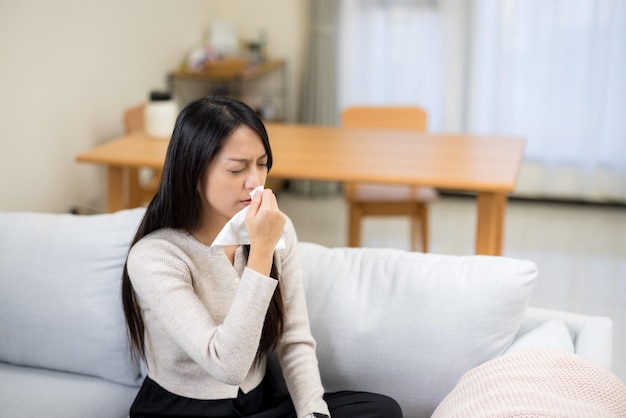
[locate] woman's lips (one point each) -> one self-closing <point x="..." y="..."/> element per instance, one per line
<point x="246" y="202"/>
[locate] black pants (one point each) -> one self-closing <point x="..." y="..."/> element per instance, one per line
<point x="263" y="402"/>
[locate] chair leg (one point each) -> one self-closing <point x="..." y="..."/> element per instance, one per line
<point x="425" y="223"/>
<point x="419" y="228"/>
<point x="354" y="225"/>
<point x="416" y="226"/>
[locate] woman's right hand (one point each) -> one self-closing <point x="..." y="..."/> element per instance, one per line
<point x="265" y="224"/>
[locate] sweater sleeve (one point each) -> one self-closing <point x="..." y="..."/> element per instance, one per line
<point x="162" y="279"/>
<point x="296" y="349"/>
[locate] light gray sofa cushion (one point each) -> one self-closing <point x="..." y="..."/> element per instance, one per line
<point x="553" y="334"/>
<point x="27" y="392"/>
<point x="60" y="302"/>
<point x="377" y="313"/>
<point x="592" y="335"/>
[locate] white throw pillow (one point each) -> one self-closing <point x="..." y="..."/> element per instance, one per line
<point x="553" y="334"/>
<point x="409" y="325"/>
<point x="60" y="292"/>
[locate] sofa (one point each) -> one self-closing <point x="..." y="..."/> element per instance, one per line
<point x="408" y="325"/>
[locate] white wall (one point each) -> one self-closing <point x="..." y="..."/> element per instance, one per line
<point x="70" y="67"/>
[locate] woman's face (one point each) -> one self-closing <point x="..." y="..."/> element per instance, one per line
<point x="236" y="170"/>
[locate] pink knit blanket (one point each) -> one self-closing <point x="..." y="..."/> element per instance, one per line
<point x="536" y="383"/>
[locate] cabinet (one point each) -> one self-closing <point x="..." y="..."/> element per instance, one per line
<point x="262" y="86"/>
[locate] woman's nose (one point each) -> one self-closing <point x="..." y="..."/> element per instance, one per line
<point x="253" y="180"/>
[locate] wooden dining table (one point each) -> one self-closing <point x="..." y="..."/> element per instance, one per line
<point x="487" y="167"/>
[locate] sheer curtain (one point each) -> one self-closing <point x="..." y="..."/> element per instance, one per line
<point x="554" y="72"/>
<point x="319" y="89"/>
<point x="390" y="52"/>
<point x="320" y="73"/>
<point x="550" y="71"/>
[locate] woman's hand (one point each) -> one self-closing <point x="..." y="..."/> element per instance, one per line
<point x="265" y="224"/>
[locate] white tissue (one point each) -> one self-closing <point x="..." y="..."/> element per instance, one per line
<point x="235" y="232"/>
<point x="256" y="190"/>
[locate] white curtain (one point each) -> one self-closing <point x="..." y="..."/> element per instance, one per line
<point x="319" y="89"/>
<point x="390" y="53"/>
<point x="550" y="71"/>
<point x="320" y="72"/>
<point x="554" y="72"/>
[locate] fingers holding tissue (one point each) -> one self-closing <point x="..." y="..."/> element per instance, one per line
<point x="256" y="224"/>
<point x="265" y="222"/>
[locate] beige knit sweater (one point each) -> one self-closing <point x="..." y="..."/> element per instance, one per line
<point x="204" y="316"/>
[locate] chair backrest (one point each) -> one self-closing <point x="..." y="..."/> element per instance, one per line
<point x="133" y="119"/>
<point x="385" y="117"/>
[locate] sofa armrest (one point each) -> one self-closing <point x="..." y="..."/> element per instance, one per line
<point x="592" y="335"/>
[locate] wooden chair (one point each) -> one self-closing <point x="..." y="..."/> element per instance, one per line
<point x="139" y="191"/>
<point x="388" y="200"/>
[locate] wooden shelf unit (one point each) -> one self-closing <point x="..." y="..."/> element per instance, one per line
<point x="245" y="83"/>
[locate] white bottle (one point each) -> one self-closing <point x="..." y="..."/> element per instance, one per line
<point x="160" y="115"/>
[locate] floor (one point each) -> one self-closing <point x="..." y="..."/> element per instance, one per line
<point x="580" y="249"/>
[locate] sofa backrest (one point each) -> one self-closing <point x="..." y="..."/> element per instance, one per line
<point x="409" y="325"/>
<point x="404" y="324"/>
<point x="60" y="283"/>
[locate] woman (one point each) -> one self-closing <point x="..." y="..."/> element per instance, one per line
<point x="205" y="318"/>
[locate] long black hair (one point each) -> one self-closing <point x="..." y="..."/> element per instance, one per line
<point x="200" y="132"/>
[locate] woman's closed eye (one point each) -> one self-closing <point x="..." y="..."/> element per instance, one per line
<point x="237" y="171"/>
<point x="242" y="165"/>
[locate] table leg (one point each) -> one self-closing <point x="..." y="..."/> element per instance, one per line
<point x="134" y="188"/>
<point x="490" y="228"/>
<point x="115" y="186"/>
